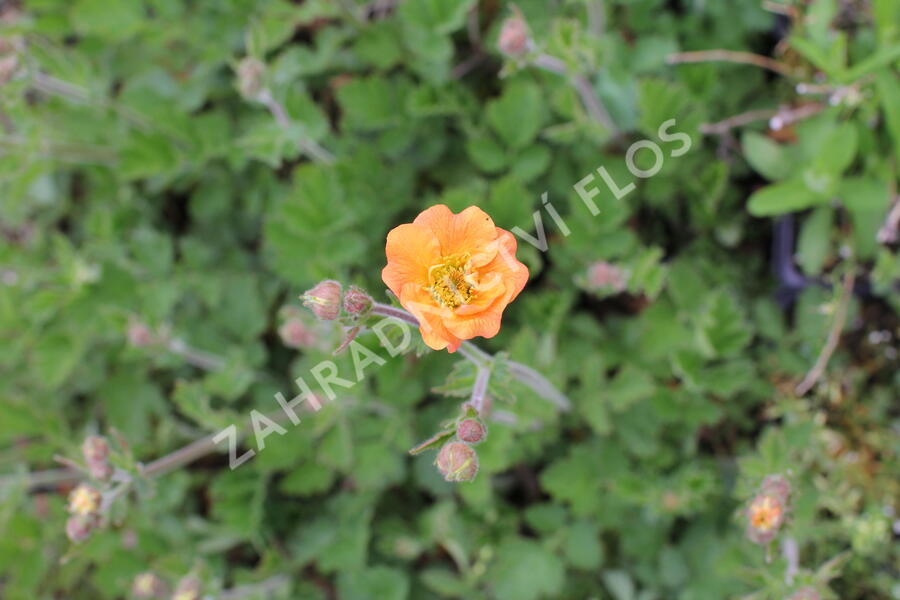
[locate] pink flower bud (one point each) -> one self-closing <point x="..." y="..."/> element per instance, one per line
<point x="777" y="486"/>
<point x="251" y="73"/>
<point x="139" y="335"/>
<point x="603" y="275"/>
<point x="457" y="462"/>
<point x="324" y="300"/>
<point x="514" y="40"/>
<point x="807" y="593"/>
<point x="189" y="588"/>
<point x="471" y="431"/>
<point x="148" y="585"/>
<point x="357" y="302"/>
<point x="95" y="449"/>
<point x="295" y="334"/>
<point x="79" y="527"/>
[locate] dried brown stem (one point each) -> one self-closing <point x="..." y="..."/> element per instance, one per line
<point x="834" y="336"/>
<point x="733" y="56"/>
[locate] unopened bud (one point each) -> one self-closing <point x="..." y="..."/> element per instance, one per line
<point x="295" y="334"/>
<point x="84" y="500"/>
<point x="79" y="527"/>
<point x="778" y="486"/>
<point x="251" y="73"/>
<point x="471" y="431"/>
<point x="95" y="448"/>
<point x="807" y="593"/>
<point x="514" y="40"/>
<point x="357" y="302"/>
<point x="139" y="335"/>
<point x="603" y="275"/>
<point x="457" y="462"/>
<point x="9" y="65"/>
<point x="324" y="300"/>
<point x="148" y="585"/>
<point x="764" y="518"/>
<point x="189" y="588"/>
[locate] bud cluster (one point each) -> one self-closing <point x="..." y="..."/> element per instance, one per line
<point x="768" y="509"/>
<point x="148" y="585"/>
<point x="327" y="299"/>
<point x="189" y="588"/>
<point x="457" y="459"/>
<point x="84" y="504"/>
<point x="96" y="454"/>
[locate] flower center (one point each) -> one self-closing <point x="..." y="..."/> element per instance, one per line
<point x="449" y="284"/>
<point x="764" y="514"/>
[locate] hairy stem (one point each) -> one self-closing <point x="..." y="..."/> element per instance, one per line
<point x="537" y="382"/>
<point x="307" y="144"/>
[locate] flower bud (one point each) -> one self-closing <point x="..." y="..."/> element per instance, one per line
<point x="765" y="517"/>
<point x="84" y="500"/>
<point x="807" y="593"/>
<point x="471" y="430"/>
<point x="295" y="334"/>
<point x="514" y="40"/>
<point x="457" y="462"/>
<point x="139" y="335"/>
<point x="79" y="527"/>
<point x="356" y="302"/>
<point x="778" y="486"/>
<point x="251" y="74"/>
<point x="189" y="588"/>
<point x="148" y="585"/>
<point x="324" y="300"/>
<point x="95" y="449"/>
<point x="605" y="276"/>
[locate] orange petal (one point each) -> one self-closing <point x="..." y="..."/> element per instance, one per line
<point x="432" y="318"/>
<point x="513" y="272"/>
<point x="411" y="250"/>
<point x="485" y="324"/>
<point x="471" y="231"/>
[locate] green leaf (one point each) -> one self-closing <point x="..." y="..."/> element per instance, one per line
<point x="722" y="328"/>
<point x="525" y="571"/>
<point x="784" y="197"/>
<point x="814" y="243"/>
<point x="766" y="156"/>
<point x="518" y="114"/>
<point x="889" y="92"/>
<point x="374" y="582"/>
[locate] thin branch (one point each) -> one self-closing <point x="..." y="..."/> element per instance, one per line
<point x="585" y="91"/>
<point x="834" y="336"/>
<point x="778" y="118"/>
<point x="537" y="382"/>
<point x="198" y="358"/>
<point x="596" y="17"/>
<point x="479" y="390"/>
<point x="733" y="56"/>
<point x="307" y="144"/>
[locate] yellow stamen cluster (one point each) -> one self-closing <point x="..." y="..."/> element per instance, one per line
<point x="450" y="284"/>
<point x="765" y="513"/>
<point x="84" y="500"/>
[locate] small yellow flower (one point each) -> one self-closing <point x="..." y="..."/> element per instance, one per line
<point x="84" y="500"/>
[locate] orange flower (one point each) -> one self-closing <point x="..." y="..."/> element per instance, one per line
<point x="455" y="273"/>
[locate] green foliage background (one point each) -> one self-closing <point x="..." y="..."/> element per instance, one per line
<point x="138" y="184"/>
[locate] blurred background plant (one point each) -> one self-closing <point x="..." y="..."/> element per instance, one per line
<point x="174" y="174"/>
